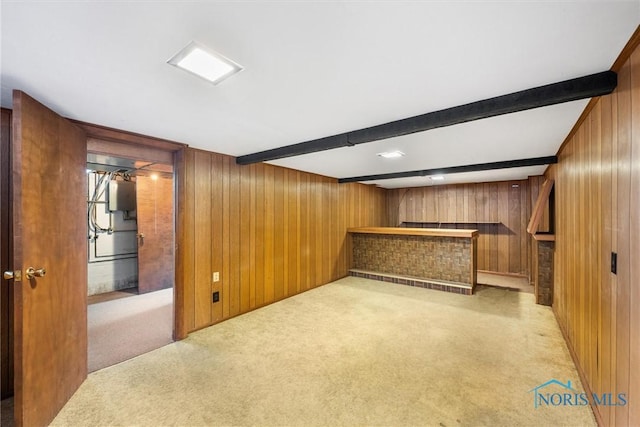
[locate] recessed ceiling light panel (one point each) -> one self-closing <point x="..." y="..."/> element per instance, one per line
<point x="436" y="178"/>
<point x="391" y="154"/>
<point x="205" y="63"/>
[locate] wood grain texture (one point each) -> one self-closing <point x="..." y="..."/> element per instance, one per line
<point x="271" y="232"/>
<point x="49" y="153"/>
<point x="202" y="241"/>
<point x="499" y="212"/>
<point x="183" y="250"/>
<point x="154" y="206"/>
<point x="542" y="201"/>
<point x="401" y="231"/>
<point x="634" y="234"/>
<point x="597" y="213"/>
<point x="129" y="139"/>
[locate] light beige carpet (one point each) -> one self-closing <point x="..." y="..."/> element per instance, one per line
<point x="123" y="328"/>
<point x="355" y="352"/>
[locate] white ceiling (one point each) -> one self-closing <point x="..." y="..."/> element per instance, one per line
<point x="314" y="69"/>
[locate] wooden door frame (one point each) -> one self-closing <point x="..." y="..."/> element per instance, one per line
<point x="119" y="143"/>
<point x="6" y="319"/>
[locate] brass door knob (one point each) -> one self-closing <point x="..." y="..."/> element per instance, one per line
<point x="32" y="272"/>
<point x="8" y="275"/>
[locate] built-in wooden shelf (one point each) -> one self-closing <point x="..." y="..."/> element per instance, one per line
<point x="406" y="231"/>
<point x="453" y="222"/>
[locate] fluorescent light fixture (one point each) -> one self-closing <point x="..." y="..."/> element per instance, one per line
<point x="437" y="178"/>
<point x="391" y="154"/>
<point x="205" y="63"/>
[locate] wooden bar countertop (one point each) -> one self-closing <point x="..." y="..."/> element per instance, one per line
<point x="405" y="231"/>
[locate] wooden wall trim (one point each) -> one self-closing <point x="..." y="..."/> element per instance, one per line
<point x="129" y="150"/>
<point x="180" y="298"/>
<point x="6" y="287"/>
<point x="116" y="135"/>
<point x="538" y="209"/>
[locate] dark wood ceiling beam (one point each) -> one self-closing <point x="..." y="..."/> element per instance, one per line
<point x="508" y="164"/>
<point x="542" y="96"/>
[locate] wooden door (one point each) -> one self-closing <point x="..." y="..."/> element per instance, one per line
<point x="49" y="231"/>
<point x="154" y="210"/>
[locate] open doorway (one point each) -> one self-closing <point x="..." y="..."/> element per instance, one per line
<point x="130" y="223"/>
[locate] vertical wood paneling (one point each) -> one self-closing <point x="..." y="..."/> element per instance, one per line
<point x="614" y="242"/>
<point x="312" y="230"/>
<point x="271" y="233"/>
<point x="278" y="237"/>
<point x="595" y="189"/>
<point x="216" y="234"/>
<point x="500" y="211"/>
<point x="606" y="313"/>
<point x="304" y="232"/>
<point x="503" y="234"/>
<point x="597" y="212"/>
<point x="293" y="228"/>
<point x="494" y="238"/>
<point x="226" y="233"/>
<point x="252" y="238"/>
<point x="320" y="224"/>
<point x="634" y="233"/>
<point x="260" y="234"/>
<point x="245" y="240"/>
<point x="624" y="193"/>
<point x="203" y="240"/>
<point x="234" y="238"/>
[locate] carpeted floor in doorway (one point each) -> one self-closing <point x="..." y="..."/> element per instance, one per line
<point x="123" y="328"/>
<point x="354" y="352"/>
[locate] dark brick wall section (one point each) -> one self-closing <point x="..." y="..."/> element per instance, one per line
<point x="439" y="258"/>
<point x="545" y="273"/>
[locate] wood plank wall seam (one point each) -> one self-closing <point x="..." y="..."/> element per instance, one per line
<point x="501" y="209"/>
<point x="597" y="213"/>
<point x="270" y="232"/>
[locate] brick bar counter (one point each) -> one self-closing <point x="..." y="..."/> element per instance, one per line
<point x="432" y="258"/>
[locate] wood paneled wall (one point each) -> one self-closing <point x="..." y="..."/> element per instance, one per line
<point x="499" y="210"/>
<point x="270" y="232"/>
<point x="597" y="213"/>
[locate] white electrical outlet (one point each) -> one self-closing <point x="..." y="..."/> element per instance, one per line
<point x="216" y="276"/>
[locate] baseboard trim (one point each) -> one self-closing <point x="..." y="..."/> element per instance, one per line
<point x="453" y="287"/>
